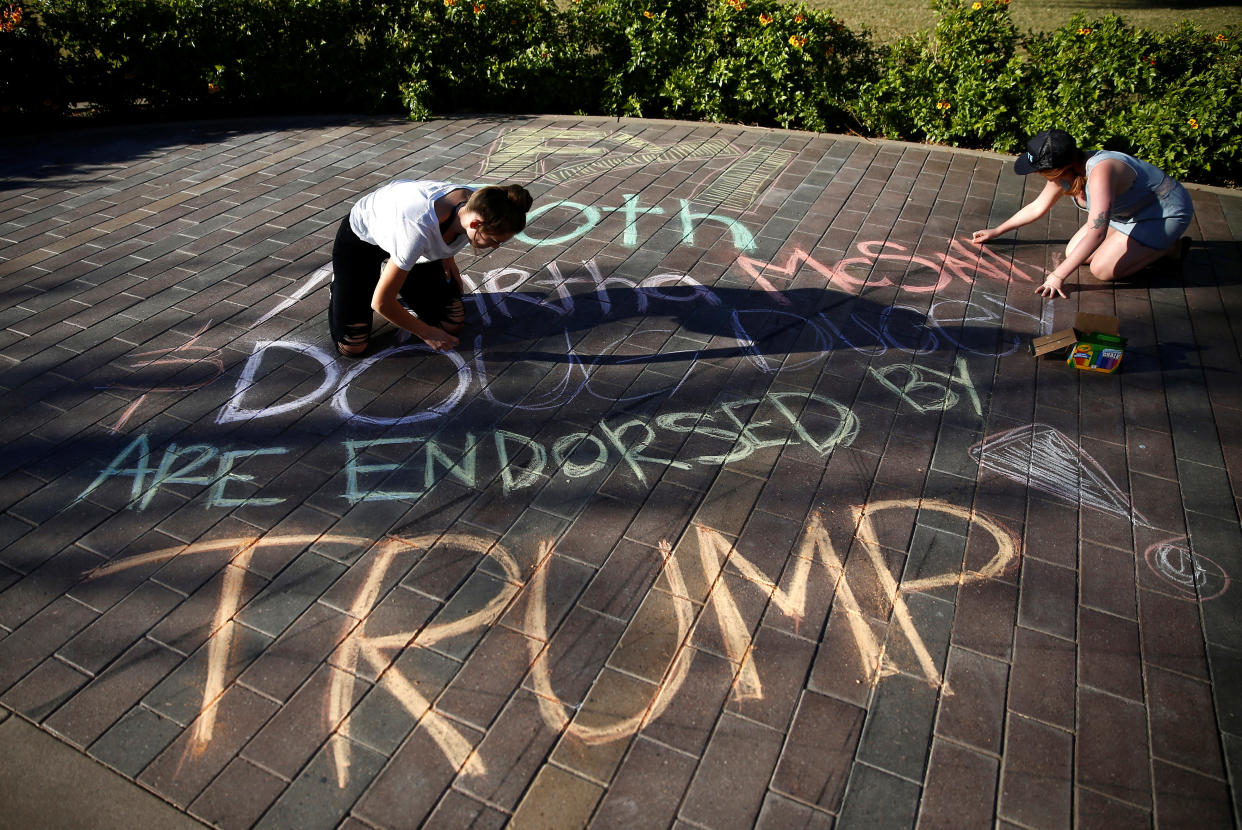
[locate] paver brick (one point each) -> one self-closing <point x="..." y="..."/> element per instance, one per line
<point x="44" y="689"/>
<point x="316" y="797"/>
<point x="850" y="621"/>
<point x="599" y="732"/>
<point x="1171" y="635"/>
<point x="824" y="729"/>
<point x="619" y="586"/>
<point x="1179" y="712"/>
<point x="772" y="677"/>
<point x="130" y="744"/>
<point x="1048" y="598"/>
<point x="296" y="653"/>
<point x="107" y="697"/>
<point x="1110" y="760"/>
<point x="188" y="764"/>
<point x="1093" y="810"/>
<point x="489" y="676"/>
<point x="1183" y="796"/>
<point x="27" y="646"/>
<point x="556" y="799"/>
<point x="113" y="631"/>
<point x="647" y="788"/>
<point x="1035" y="786"/>
<point x="1108" y="654"/>
<point x="393" y="706"/>
<point x="686" y="723"/>
<point x="182" y="694"/>
<point x="960" y="790"/>
<point x="883" y="799"/>
<point x="394" y="621"/>
<point x="238" y="796"/>
<point x="1107" y="580"/>
<point x="458" y="810"/>
<point x="512" y="753"/>
<point x="728" y="788"/>
<point x="974" y="714"/>
<point x="781" y="812"/>
<point x="396" y="797"/>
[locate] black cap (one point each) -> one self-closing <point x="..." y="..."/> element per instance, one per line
<point x="1049" y="150"/>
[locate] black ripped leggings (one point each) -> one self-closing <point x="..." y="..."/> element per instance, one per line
<point x="428" y="291"/>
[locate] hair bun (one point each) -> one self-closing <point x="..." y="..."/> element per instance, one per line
<point x="520" y="197"/>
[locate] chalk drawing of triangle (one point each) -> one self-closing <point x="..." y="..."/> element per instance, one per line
<point x="1044" y="459"/>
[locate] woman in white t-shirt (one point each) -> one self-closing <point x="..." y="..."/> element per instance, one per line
<point x="417" y="226"/>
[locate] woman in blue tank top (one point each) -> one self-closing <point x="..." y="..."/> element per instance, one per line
<point x="1135" y="213"/>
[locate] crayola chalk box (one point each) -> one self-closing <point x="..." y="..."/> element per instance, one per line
<point x="1093" y="344"/>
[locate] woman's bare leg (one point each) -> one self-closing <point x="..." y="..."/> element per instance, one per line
<point x="455" y="317"/>
<point x="1119" y="256"/>
<point x="1074" y="242"/>
<point x="355" y="341"/>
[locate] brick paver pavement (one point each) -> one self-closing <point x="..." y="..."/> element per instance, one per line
<point x="741" y="503"/>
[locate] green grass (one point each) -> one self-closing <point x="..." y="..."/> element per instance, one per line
<point x="890" y="19"/>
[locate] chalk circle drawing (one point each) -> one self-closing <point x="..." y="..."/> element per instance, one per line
<point x="1191" y="573"/>
<point x="1042" y="458"/>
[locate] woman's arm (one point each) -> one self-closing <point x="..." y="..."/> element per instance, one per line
<point x="1100" y="188"/>
<point x="1042" y="204"/>
<point x="384" y="301"/>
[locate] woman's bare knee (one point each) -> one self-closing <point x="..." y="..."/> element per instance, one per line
<point x="1105" y="271"/>
<point x="454" y="318"/>
<point x="354" y="340"/>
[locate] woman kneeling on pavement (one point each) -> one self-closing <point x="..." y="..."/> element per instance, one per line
<point x="1135" y="213"/>
<point x="418" y="227"/>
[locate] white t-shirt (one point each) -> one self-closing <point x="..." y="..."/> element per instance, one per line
<point x="400" y="217"/>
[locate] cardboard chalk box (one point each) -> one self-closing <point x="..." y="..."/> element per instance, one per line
<point x="1094" y="344"/>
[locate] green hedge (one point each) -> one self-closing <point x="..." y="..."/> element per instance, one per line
<point x="974" y="80"/>
<point x="1174" y="99"/>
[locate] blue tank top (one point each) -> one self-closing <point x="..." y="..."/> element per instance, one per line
<point x="1150" y="185"/>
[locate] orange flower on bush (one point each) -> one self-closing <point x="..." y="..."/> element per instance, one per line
<point x="1084" y="31"/>
<point x="797" y="41"/>
<point x="798" y="18"/>
<point x="10" y="18"/>
<point x="943" y="105"/>
<point x="976" y="6"/>
<point x="648" y="15"/>
<point x="450" y="3"/>
<point x="478" y="8"/>
<point x="765" y="19"/>
<point x="1194" y="125"/>
<point x="1219" y="38"/>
